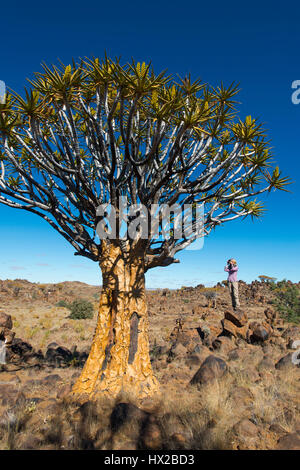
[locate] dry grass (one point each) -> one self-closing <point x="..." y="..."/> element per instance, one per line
<point x="203" y="417"/>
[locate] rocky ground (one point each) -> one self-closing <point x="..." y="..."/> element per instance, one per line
<point x="227" y="378"/>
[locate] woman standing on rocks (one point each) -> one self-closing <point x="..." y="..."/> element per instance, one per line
<point x="232" y="269"/>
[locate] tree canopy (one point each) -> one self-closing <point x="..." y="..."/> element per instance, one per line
<point x="87" y="133"/>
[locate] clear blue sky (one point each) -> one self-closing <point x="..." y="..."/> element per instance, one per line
<point x="254" y="43"/>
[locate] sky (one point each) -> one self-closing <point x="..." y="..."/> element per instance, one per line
<point x="255" y="44"/>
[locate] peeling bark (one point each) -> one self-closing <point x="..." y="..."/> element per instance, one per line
<point x="119" y="359"/>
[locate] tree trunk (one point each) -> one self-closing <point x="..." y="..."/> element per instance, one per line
<point x="119" y="358"/>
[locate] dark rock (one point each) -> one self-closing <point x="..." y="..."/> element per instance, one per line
<point x="52" y="345"/>
<point x="212" y="368"/>
<point x="284" y="362"/>
<point x="223" y="343"/>
<point x="229" y="329"/>
<point x="5" y="321"/>
<point x="51" y="379"/>
<point x="83" y="356"/>
<point x="64" y="352"/>
<point x="21" y="347"/>
<point x="193" y="360"/>
<point x="290" y="441"/>
<point x="189" y="338"/>
<point x="238" y="317"/>
<point x="259" y="334"/>
<point x="58" y="353"/>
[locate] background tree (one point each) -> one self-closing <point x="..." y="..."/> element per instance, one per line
<point x="267" y="279"/>
<point x="86" y="134"/>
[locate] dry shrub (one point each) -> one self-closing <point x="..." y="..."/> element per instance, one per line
<point x="204" y="418"/>
<point x="13" y="422"/>
<point x="274" y="401"/>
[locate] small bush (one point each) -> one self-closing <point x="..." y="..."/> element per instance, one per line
<point x="287" y="301"/>
<point x="81" y="309"/>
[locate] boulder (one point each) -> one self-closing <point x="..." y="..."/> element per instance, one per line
<point x="235" y="354"/>
<point x="194" y="359"/>
<point x="189" y="338"/>
<point x="56" y="353"/>
<point x="212" y="368"/>
<point x="285" y="362"/>
<point x="179" y="350"/>
<point x="7" y="335"/>
<point x="51" y="379"/>
<point x="245" y="429"/>
<point x="290" y="441"/>
<point x="259" y="334"/>
<point x="223" y="344"/>
<point x="215" y="330"/>
<point x="5" y="321"/>
<point x="229" y="328"/>
<point x="21" y="347"/>
<point x="238" y="317"/>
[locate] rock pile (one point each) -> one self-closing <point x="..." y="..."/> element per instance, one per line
<point x="235" y="324"/>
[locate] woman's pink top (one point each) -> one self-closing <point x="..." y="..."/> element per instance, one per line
<point x="232" y="276"/>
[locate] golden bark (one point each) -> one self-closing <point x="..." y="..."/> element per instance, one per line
<point x="119" y="357"/>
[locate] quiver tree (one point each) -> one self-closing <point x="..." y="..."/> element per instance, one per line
<point x="90" y="133"/>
